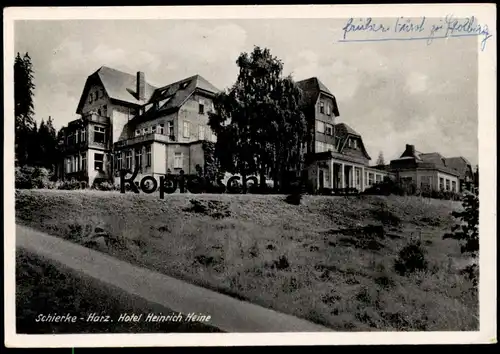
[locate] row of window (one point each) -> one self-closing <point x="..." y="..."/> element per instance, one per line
<point x="158" y="129"/>
<point x="426" y="183"/>
<point x="101" y="111"/>
<point x="142" y="158"/>
<point x="203" y="132"/>
<point x="80" y="135"/>
<point x="324" y="128"/>
<point x="442" y="182"/>
<point x="373" y="178"/>
<point x="77" y="163"/>
<point x="162" y="102"/>
<point x="322" y="147"/>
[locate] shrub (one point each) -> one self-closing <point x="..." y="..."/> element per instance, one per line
<point x="411" y="258"/>
<point x="29" y="177"/>
<point x="467" y="231"/>
<point x="70" y="185"/>
<point x="295" y="198"/>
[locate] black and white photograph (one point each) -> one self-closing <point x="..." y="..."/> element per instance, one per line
<point x="290" y="174"/>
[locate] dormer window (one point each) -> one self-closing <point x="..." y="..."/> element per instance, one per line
<point x="137" y="132"/>
<point x="328" y="109"/>
<point x="322" y="107"/>
<point x="164" y="101"/>
<point x="184" y="85"/>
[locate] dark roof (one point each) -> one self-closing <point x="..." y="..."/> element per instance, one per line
<point x="432" y="160"/>
<point x="310" y="90"/>
<point x="342" y="129"/>
<point x="433" y="157"/>
<point x="459" y="164"/>
<point x="119" y="85"/>
<point x="342" y="132"/>
<point x="173" y="96"/>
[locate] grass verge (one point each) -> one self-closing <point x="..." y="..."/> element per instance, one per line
<point x="43" y="289"/>
<point x="329" y="260"/>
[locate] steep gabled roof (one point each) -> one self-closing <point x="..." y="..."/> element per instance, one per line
<point x="173" y="96"/>
<point x="119" y="85"/>
<point x="343" y="132"/>
<point x="311" y="88"/>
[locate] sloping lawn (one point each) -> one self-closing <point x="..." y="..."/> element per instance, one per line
<point x="313" y="260"/>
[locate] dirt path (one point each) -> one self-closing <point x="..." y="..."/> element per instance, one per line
<point x="226" y="313"/>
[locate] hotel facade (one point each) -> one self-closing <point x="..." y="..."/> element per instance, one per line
<point x="125" y="122"/>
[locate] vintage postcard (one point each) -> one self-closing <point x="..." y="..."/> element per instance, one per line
<point x="250" y="175"/>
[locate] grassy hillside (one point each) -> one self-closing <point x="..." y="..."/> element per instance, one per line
<point x="312" y="260"/>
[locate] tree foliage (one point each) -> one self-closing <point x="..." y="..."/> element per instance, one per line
<point x="380" y="160"/>
<point x="467" y="231"/>
<point x="259" y="126"/>
<point x="25" y="125"/>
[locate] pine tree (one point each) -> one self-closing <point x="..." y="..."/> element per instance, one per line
<point x="25" y="126"/>
<point x="380" y="160"/>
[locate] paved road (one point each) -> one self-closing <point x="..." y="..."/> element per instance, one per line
<point x="227" y="314"/>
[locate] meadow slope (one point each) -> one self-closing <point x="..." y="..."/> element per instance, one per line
<point x="310" y="260"/>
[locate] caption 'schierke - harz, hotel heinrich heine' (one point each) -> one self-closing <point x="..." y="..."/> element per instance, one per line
<point x="125" y="121"/>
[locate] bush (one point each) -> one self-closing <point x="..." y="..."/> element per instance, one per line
<point x="70" y="185"/>
<point x="29" y="177"/>
<point x="467" y="231"/>
<point x="105" y="186"/>
<point x="411" y="258"/>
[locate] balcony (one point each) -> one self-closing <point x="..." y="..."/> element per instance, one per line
<point x="149" y="138"/>
<point x="96" y="119"/>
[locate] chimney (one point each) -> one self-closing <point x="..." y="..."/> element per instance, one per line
<point x="409" y="151"/>
<point x="141" y="85"/>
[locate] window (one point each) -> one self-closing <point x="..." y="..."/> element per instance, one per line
<point x="153" y="129"/>
<point x="184" y="85"/>
<point x="354" y="144"/>
<point x="320" y="147"/>
<point x="68" y="165"/>
<point x="90" y="97"/>
<point x="170" y="128"/>
<point x="128" y="160"/>
<point x="201" y="107"/>
<point x="84" y="161"/>
<point x="98" y="162"/>
<point x="186" y="129"/>
<point x="322" y="107"/>
<point x="320" y="126"/>
<point x="378" y="178"/>
<point x="447" y="184"/>
<point x="201" y="132"/>
<point x="148" y="156"/>
<point x="77" y="134"/>
<point x="441" y="183"/>
<point x="328" y="147"/>
<point x="453" y="186"/>
<point x="105" y="110"/>
<point x="119" y="161"/>
<point x="83" y="136"/>
<point x="99" y="135"/>
<point x="144" y="131"/>
<point x="137" y="132"/>
<point x="328" y="109"/>
<point x="160" y="128"/>
<point x="425" y="182"/>
<point x="328" y="129"/>
<point x="358" y="177"/>
<point x="178" y="160"/>
<point x="370" y="179"/>
<point x="138" y="158"/>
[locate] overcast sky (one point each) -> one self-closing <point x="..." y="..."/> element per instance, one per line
<point x="392" y="93"/>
